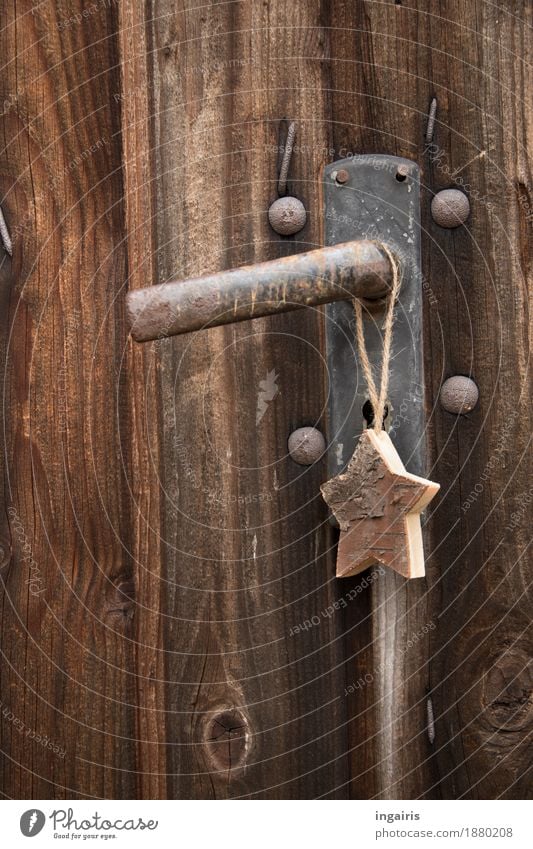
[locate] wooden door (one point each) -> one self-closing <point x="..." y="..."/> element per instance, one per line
<point x="171" y="623"/>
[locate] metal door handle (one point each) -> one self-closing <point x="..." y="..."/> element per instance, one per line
<point x="352" y="269"/>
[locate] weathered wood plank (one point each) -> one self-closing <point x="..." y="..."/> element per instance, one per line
<point x="144" y="403"/>
<point x="155" y="636"/>
<point x="481" y="277"/>
<point x="67" y="659"/>
<point x="378" y="70"/>
<point x="244" y="544"/>
<point x="388" y="60"/>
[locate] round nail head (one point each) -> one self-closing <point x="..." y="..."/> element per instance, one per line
<point x="450" y="208"/>
<point x="306" y="445"/>
<point x="342" y="176"/>
<point x="287" y="216"/>
<point x="459" y="395"/>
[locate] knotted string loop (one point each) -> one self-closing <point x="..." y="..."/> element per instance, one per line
<point x="378" y="400"/>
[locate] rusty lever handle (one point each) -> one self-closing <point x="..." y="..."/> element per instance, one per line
<point x="353" y="269"/>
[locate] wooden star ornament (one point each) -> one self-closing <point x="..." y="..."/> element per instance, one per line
<point x="377" y="504"/>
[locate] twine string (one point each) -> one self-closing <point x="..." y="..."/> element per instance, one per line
<point x="378" y="400"/>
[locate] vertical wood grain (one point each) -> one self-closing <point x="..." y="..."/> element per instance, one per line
<point x="462" y="637"/>
<point x="245" y="548"/>
<point x="142" y="432"/>
<point x="170" y="620"/>
<point x="378" y="69"/>
<point x="481" y="658"/>
<point x="66" y="680"/>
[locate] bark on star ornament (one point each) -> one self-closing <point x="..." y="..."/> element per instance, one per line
<point x="377" y="504"/>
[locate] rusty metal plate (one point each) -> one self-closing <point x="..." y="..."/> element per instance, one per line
<point x="377" y="197"/>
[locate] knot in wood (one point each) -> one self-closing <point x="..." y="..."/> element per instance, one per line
<point x="508" y="691"/>
<point x="450" y="208"/>
<point x="226" y="738"/>
<point x="287" y="216"/>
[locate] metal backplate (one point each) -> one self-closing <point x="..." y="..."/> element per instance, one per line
<point x="377" y="197"/>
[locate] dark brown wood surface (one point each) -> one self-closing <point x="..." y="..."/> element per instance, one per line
<point x="67" y="672"/>
<point x="171" y="624"/>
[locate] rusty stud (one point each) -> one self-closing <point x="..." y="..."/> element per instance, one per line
<point x="459" y="395"/>
<point x="287" y="216"/>
<point x="306" y="445"/>
<point x="450" y="208"/>
<point x="342" y="176"/>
